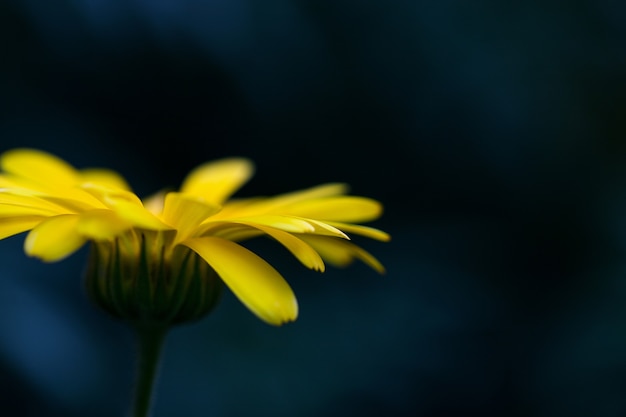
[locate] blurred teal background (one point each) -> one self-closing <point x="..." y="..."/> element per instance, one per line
<point x="494" y="133"/>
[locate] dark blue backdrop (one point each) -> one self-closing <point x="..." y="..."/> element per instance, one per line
<point x="494" y="133"/>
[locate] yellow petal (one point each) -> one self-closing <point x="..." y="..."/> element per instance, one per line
<point x="7" y="181"/>
<point x="138" y="216"/>
<point x="286" y="223"/>
<point x="235" y="232"/>
<point x="260" y="206"/>
<point x="155" y="203"/>
<point x="216" y="181"/>
<point x="257" y="285"/>
<point x="301" y="250"/>
<point x="240" y="208"/>
<point x="37" y="173"/>
<point x="54" y="238"/>
<point x="104" y="177"/>
<point x="21" y="185"/>
<point x="38" y="166"/>
<point x="73" y="201"/>
<point x="362" y="230"/>
<point x="107" y="195"/>
<point x="340" y="252"/>
<point x="325" y="229"/>
<point x="69" y="197"/>
<point x="11" y="210"/>
<point x="29" y="201"/>
<point x="101" y="225"/>
<point x="14" y="225"/>
<point x="320" y="191"/>
<point x="186" y="212"/>
<point x="127" y="206"/>
<point x="339" y="209"/>
<point x="60" y="196"/>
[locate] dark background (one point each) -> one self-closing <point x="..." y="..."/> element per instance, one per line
<point x="493" y="132"/>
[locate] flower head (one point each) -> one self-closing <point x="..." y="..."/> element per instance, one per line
<point x="176" y="236"/>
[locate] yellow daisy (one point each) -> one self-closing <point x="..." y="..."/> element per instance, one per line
<point x="160" y="259"/>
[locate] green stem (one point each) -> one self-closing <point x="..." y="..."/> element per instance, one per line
<point x="150" y="340"/>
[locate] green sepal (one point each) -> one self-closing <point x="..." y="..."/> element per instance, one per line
<point x="141" y="280"/>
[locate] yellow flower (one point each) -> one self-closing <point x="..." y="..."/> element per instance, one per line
<point x="195" y="230"/>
